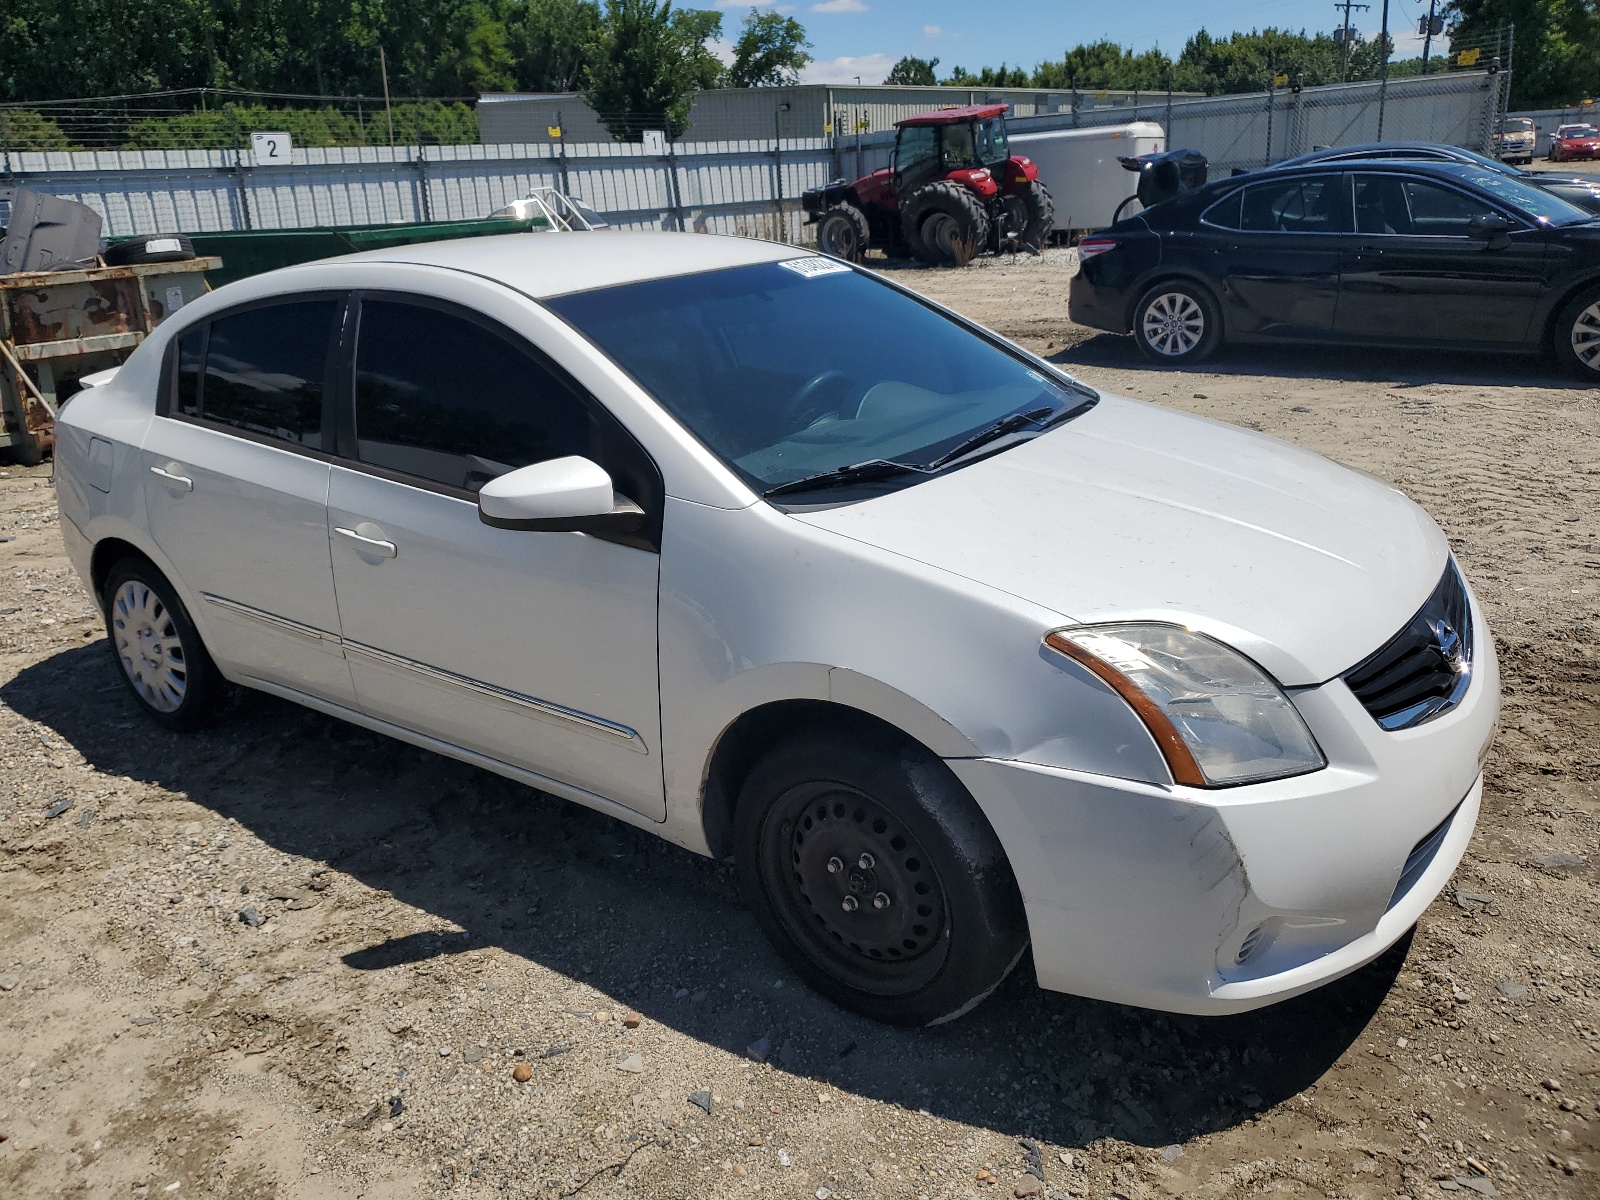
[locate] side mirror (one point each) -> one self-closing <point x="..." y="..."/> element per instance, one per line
<point x="561" y="495"/>
<point x="1491" y="227"/>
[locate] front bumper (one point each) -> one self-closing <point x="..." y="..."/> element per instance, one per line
<point x="1218" y="901"/>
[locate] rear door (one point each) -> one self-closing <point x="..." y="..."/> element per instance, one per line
<point x="1276" y="255"/>
<point x="236" y="489"/>
<point x="1415" y="273"/>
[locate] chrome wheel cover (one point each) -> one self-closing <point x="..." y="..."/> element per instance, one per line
<point x="149" y="647"/>
<point x="1586" y="337"/>
<point x="1174" y="323"/>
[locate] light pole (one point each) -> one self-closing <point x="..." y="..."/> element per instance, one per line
<point x="777" y="164"/>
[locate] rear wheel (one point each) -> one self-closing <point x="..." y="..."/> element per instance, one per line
<point x="1176" y="323"/>
<point x="842" y="231"/>
<point x="159" y="652"/>
<point x="877" y="878"/>
<point x="1577" y="335"/>
<point x="944" y="224"/>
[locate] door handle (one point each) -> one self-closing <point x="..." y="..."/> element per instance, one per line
<point x="370" y="544"/>
<point x="181" y="482"/>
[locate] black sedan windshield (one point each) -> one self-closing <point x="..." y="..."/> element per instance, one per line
<point x="790" y="369"/>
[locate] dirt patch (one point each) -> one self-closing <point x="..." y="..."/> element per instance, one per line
<point x="424" y="935"/>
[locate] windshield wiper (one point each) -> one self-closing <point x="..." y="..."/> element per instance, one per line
<point x="861" y="472"/>
<point x="1010" y="424"/>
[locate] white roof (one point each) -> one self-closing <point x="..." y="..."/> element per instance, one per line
<point x="551" y="264"/>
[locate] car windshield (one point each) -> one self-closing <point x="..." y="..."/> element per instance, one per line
<point x="790" y="369"/>
<point x="1510" y="189"/>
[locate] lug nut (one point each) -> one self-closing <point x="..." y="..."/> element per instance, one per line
<point x="866" y="862"/>
<point x="850" y="904"/>
<point x="835" y="865"/>
<point x="881" y="900"/>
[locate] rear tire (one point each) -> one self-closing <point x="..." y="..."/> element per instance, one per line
<point x="1177" y="323"/>
<point x="938" y="214"/>
<point x="843" y="232"/>
<point x="876" y="876"/>
<point x="159" y="653"/>
<point x="1577" y="336"/>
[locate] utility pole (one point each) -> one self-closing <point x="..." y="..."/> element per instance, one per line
<point x="1383" y="70"/>
<point x="1344" y="38"/>
<point x="1431" y="25"/>
<point x="388" y="113"/>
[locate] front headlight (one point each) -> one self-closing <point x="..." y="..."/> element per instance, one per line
<point x="1217" y="717"/>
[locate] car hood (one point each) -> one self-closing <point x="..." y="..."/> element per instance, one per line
<point x="1133" y="511"/>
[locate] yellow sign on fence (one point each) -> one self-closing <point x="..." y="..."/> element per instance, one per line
<point x="1468" y="58"/>
<point x="553" y="130"/>
<point x="1281" y="79"/>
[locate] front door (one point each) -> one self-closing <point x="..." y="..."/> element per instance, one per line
<point x="534" y="649"/>
<point x="236" y="490"/>
<point x="1277" y="249"/>
<point x="1415" y="273"/>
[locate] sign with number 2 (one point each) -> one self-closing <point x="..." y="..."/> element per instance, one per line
<point x="271" y="149"/>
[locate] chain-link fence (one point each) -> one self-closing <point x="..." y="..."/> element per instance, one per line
<point x="734" y="186"/>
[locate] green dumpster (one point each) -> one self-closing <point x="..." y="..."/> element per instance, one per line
<point x="252" y="251"/>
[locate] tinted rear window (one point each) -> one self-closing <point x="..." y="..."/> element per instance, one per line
<point x="266" y="369"/>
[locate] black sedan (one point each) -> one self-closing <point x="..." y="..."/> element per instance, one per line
<point x="1582" y="190"/>
<point x="1378" y="252"/>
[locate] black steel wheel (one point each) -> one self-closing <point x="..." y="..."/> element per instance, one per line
<point x="843" y="232"/>
<point x="877" y="877"/>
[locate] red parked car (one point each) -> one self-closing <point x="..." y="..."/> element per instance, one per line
<point x="1575" y="141"/>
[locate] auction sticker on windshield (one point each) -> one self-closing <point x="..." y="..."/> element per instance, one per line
<point x="814" y="266"/>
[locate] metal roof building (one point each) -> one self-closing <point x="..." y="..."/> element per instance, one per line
<point x="803" y="111"/>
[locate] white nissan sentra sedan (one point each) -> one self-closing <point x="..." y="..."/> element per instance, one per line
<point x="758" y="551"/>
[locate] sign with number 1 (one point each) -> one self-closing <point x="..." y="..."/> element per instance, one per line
<point x="271" y="149"/>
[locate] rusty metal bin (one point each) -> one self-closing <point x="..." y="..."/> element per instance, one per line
<point x="58" y="326"/>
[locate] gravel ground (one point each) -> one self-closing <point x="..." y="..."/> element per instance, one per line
<point x="287" y="958"/>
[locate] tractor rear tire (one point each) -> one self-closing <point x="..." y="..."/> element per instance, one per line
<point x="842" y="231"/>
<point x="938" y="215"/>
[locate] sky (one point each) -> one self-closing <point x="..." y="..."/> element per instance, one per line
<point x="867" y="37"/>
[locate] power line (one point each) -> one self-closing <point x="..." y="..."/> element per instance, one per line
<point x="1344" y="37"/>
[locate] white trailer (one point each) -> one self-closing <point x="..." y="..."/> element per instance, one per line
<point x="1079" y="168"/>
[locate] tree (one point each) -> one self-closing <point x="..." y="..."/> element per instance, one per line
<point x="551" y="41"/>
<point x="999" y="77"/>
<point x="1556" y="61"/>
<point x="1106" y="65"/>
<point x="916" y="72"/>
<point x="647" y="65"/>
<point x="771" y="52"/>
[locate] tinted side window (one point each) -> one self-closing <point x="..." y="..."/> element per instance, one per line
<point x="186" y="400"/>
<point x="1225" y="212"/>
<point x="1392" y="204"/>
<point x="266" y="369"/>
<point x="444" y="398"/>
<point x="917" y="152"/>
<point x="1292" y="206"/>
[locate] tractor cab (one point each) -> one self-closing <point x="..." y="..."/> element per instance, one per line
<point x="953" y="189"/>
<point x="940" y="144"/>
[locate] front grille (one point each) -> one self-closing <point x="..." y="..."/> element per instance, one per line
<point x="1421" y="858"/>
<point x="1424" y="669"/>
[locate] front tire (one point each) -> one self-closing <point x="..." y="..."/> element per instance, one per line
<point x="1177" y="323"/>
<point x="877" y="878"/>
<point x="843" y="232"/>
<point x="1577" y="336"/>
<point x="159" y="653"/>
<point x="1034" y="214"/>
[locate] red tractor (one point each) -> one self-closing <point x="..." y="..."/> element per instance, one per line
<point x="954" y="189"/>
